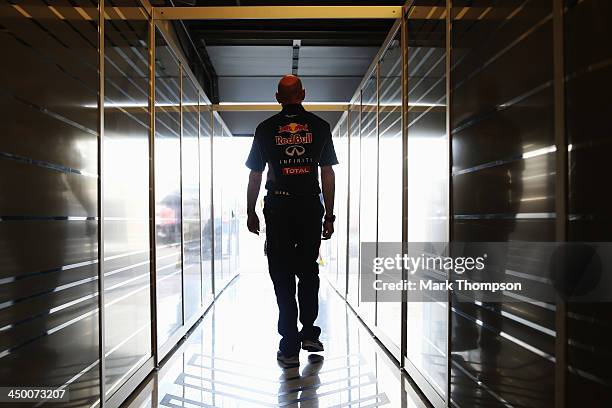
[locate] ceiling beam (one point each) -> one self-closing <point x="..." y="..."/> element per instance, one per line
<point x="277" y="12"/>
<point x="273" y="106"/>
<point x="286" y="34"/>
<point x="287" y="43"/>
<point x="321" y="107"/>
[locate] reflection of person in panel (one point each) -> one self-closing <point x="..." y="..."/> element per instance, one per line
<point x="499" y="191"/>
<point x="293" y="143"/>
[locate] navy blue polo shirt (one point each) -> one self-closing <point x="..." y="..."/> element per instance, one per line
<point x="294" y="143"/>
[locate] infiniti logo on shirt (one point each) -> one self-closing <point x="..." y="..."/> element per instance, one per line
<point x="295" y="150"/>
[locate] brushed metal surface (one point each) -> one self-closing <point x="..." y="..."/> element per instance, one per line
<point x="192" y="272"/>
<point x="368" y="219"/>
<point x="337" y="276"/>
<point x="588" y="129"/>
<point x="48" y="205"/>
<point x="217" y="135"/>
<point x="43" y="192"/>
<point x="354" y="207"/>
<point x="127" y="311"/>
<point x="521" y="186"/>
<point x="503" y="189"/>
<point x="427" y="203"/>
<point x="206" y="202"/>
<point x="168" y="195"/>
<point x="390" y="189"/>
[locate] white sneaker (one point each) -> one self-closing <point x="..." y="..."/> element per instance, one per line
<point x="287" y="361"/>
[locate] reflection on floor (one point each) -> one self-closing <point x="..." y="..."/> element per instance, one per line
<point x="229" y="360"/>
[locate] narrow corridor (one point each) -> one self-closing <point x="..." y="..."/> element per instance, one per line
<point x="463" y="129"/>
<point x="228" y="360"/>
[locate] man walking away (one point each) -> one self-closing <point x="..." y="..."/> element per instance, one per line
<point x="293" y="143"/>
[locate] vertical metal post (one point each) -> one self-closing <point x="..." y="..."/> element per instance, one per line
<point x="200" y="202"/>
<point x="359" y="201"/>
<point x="212" y="204"/>
<point x="101" y="328"/>
<point x="561" y="181"/>
<point x="152" y="199"/>
<point x="348" y="202"/>
<point x="404" y="124"/>
<point x="377" y="174"/>
<point x="448" y="66"/>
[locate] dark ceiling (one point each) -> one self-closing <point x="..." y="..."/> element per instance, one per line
<point x="283" y="32"/>
<point x="242" y="60"/>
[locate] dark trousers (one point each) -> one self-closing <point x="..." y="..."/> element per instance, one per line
<point x="293" y="238"/>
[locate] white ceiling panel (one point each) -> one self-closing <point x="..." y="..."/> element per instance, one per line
<point x="335" y="61"/>
<point x="248" y="89"/>
<point x="250" y="60"/>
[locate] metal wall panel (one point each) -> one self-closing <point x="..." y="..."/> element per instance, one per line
<point x="192" y="266"/>
<point x="354" y="173"/>
<point x="342" y="148"/>
<point x="206" y="202"/>
<point x="341" y="204"/>
<point x="427" y="197"/>
<point x="127" y="309"/>
<point x="368" y="218"/>
<point x="225" y="207"/>
<point x="225" y="210"/>
<point x="588" y="112"/>
<point x="48" y="205"/>
<point x="92" y="162"/>
<point x="388" y="314"/>
<point x="217" y="135"/>
<point x="503" y="189"/>
<point x="168" y="191"/>
<point x="329" y="248"/>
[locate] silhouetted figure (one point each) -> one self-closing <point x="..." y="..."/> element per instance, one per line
<point x="293" y="143"/>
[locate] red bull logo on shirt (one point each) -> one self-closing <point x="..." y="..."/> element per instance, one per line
<point x="293" y="128"/>
<point x="294" y="139"/>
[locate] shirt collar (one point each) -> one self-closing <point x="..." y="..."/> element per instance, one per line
<point x="293" y="108"/>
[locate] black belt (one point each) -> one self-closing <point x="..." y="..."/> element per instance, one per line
<point x="285" y="193"/>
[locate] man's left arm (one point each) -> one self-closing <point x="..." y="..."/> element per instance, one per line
<point x="328" y="185"/>
<point x="252" y="193"/>
<point x="257" y="164"/>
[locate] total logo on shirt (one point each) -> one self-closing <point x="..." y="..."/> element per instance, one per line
<point x="296" y="170"/>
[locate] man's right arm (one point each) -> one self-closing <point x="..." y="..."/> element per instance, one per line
<point x="328" y="182"/>
<point x="328" y="186"/>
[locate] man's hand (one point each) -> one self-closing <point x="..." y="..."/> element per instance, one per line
<point x="328" y="184"/>
<point x="328" y="229"/>
<point x="252" y="193"/>
<point x="253" y="223"/>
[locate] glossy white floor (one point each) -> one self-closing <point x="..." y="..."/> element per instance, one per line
<point x="229" y="360"/>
